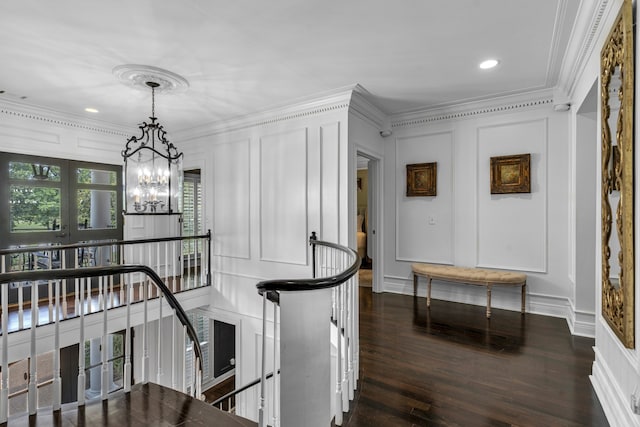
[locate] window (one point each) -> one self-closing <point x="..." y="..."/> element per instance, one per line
<point x="55" y="201"/>
<point x="191" y="213"/>
<point x="93" y="364"/>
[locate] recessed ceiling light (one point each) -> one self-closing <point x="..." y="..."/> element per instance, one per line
<point x="489" y="63"/>
<point x="91" y="110"/>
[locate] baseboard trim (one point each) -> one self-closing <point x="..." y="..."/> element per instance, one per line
<point x="503" y="297"/>
<point x="610" y="396"/>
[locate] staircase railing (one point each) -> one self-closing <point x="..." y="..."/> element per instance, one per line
<point x="183" y="263"/>
<point x="113" y="318"/>
<point x="333" y="266"/>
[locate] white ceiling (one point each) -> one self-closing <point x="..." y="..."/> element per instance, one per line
<point x="243" y="56"/>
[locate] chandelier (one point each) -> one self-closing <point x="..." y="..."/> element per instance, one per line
<point x="152" y="169"/>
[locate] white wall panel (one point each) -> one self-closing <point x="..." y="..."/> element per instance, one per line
<point x="231" y="187"/>
<point x="330" y="178"/>
<point x="512" y="228"/>
<point x="283" y="197"/>
<point x="423" y="221"/>
<point x="18" y="136"/>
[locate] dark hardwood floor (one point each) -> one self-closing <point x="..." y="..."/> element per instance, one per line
<point x="451" y="366"/>
<point x="146" y="405"/>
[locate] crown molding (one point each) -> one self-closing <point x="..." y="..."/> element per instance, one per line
<point x="362" y="106"/>
<point x="338" y="99"/>
<point x="588" y="27"/>
<point x="471" y="109"/>
<point x="40" y="114"/>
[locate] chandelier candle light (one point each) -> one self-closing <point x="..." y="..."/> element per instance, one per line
<point x="152" y="175"/>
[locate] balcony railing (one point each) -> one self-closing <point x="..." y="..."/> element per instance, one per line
<point x="182" y="263"/>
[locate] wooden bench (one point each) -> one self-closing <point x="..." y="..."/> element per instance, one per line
<point x="467" y="275"/>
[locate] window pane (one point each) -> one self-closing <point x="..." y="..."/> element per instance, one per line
<point x="96" y="209"/>
<point x="34" y="208"/>
<point x="34" y="171"/>
<point x="95" y="176"/>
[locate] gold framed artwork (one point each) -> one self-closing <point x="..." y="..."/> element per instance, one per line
<point x="617" y="183"/>
<point x="511" y="174"/>
<point x="422" y="179"/>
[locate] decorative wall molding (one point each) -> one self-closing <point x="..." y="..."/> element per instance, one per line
<point x="231" y="181"/>
<point x="32" y="112"/>
<point x="94" y="144"/>
<point x="26" y="134"/>
<point x="481" y="181"/>
<point x="282" y="235"/>
<point x="409" y="247"/>
<point x="469" y="110"/>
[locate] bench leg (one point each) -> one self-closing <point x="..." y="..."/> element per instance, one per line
<point x="524" y="293"/>
<point x="488" y="301"/>
<point x="415" y="284"/>
<point x="429" y="292"/>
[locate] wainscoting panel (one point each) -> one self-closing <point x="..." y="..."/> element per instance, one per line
<point x="231" y="178"/>
<point x="283" y="197"/>
<point x="421" y="221"/>
<point x="330" y="182"/>
<point x="21" y="137"/>
<point x="512" y="228"/>
<point x="100" y="144"/>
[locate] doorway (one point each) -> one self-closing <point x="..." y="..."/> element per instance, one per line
<point x="368" y="203"/>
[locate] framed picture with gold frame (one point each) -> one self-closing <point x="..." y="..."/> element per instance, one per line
<point x="617" y="177"/>
<point x="511" y="174"/>
<point x="422" y="179"/>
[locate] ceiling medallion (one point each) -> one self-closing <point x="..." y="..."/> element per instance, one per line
<point x="137" y="76"/>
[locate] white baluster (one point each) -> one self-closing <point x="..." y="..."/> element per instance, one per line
<point x="111" y="293"/>
<point x="63" y="264"/>
<point x="174" y="359"/>
<point x="159" y="373"/>
<point x="102" y="303"/>
<point x="141" y="277"/>
<point x="103" y="342"/>
<point x="20" y="306"/>
<point x="261" y="405"/>
<point x="276" y="365"/>
<point x="122" y="278"/>
<point x="338" y="419"/>
<point x="81" y="374"/>
<point x="4" y="392"/>
<point x="342" y="336"/>
<point x="57" y="384"/>
<point x="174" y="266"/>
<point x="127" y="334"/>
<point x="50" y="288"/>
<point x="145" y="338"/>
<point x="89" y="297"/>
<point x="158" y="270"/>
<point x="166" y="264"/>
<point x="33" y="376"/>
<point x="188" y="283"/>
<point x="197" y="278"/>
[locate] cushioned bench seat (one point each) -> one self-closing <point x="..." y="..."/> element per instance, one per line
<point x="468" y="275"/>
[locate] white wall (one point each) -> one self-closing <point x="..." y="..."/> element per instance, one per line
<point x="271" y="180"/>
<point x="465" y="224"/>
